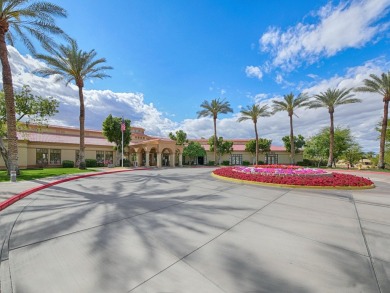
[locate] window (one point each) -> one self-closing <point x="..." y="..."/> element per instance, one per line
<point x="100" y="157"/>
<point x="55" y="157"/>
<point x="271" y="159"/>
<point x="236" y="160"/>
<point x="109" y="158"/>
<point x="42" y="157"/>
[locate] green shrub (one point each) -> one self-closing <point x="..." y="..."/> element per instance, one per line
<point x="67" y="164"/>
<point x="225" y="163"/>
<point x="126" y="163"/>
<point x="82" y="166"/>
<point x="210" y="163"/>
<point x="304" y="163"/>
<point x="90" y="163"/>
<point x="260" y="163"/>
<point x="246" y="163"/>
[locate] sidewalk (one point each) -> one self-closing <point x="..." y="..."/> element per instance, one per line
<point x="11" y="189"/>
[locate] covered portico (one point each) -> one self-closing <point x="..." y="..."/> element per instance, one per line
<point x="156" y="152"/>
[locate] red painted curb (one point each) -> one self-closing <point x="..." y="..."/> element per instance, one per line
<point x="27" y="192"/>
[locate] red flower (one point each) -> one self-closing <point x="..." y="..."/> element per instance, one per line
<point x="335" y="180"/>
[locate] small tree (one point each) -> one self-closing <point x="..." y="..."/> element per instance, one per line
<point x="223" y="147"/>
<point x="180" y="137"/>
<point x="299" y="142"/>
<point x="30" y="109"/>
<point x="265" y="145"/>
<point x="194" y="150"/>
<point x="318" y="146"/>
<point x="353" y="154"/>
<point x="112" y="131"/>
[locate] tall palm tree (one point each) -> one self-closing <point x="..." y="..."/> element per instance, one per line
<point x="330" y="100"/>
<point x="289" y="104"/>
<point x="217" y="106"/>
<point x="380" y="85"/>
<point x="69" y="63"/>
<point x="253" y="113"/>
<point x="21" y="18"/>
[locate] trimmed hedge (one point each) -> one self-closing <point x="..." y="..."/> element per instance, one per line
<point x="246" y="163"/>
<point x="225" y="163"/>
<point x="67" y="164"/>
<point x="126" y="163"/>
<point x="90" y="163"/>
<point x="210" y="163"/>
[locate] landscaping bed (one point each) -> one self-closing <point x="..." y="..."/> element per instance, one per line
<point x="293" y="176"/>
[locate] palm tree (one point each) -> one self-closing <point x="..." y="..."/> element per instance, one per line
<point x="217" y="106"/>
<point x="289" y="104"/>
<point x="253" y="113"/>
<point x="330" y="100"/>
<point x="18" y="17"/>
<point x="380" y="85"/>
<point x="69" y="63"/>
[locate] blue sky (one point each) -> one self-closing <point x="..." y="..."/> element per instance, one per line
<point x="169" y="56"/>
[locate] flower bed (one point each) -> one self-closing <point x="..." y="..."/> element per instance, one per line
<point x="280" y="170"/>
<point x="328" y="180"/>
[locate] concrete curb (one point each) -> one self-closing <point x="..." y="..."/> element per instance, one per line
<point x="27" y="192"/>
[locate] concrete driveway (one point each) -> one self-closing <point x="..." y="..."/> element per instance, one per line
<point x="181" y="230"/>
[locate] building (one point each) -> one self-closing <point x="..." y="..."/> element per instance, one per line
<point x="50" y="146"/>
<point x="277" y="155"/>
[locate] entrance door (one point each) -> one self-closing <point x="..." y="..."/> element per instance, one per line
<point x="200" y="160"/>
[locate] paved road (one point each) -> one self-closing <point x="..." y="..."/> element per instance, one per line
<point x="180" y="230"/>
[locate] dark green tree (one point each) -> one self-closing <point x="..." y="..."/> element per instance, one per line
<point x="330" y="99"/>
<point x="71" y="64"/>
<point x="180" y="137"/>
<point x="194" y="150"/>
<point x="29" y="108"/>
<point x="299" y="143"/>
<point x="112" y="131"/>
<point x="381" y="86"/>
<point x="217" y="106"/>
<point x="21" y="18"/>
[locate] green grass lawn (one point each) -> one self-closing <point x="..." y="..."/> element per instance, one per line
<point x="42" y="173"/>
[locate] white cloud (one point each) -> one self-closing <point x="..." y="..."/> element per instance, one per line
<point x="351" y="24"/>
<point x="361" y="118"/>
<point x="254" y="71"/>
<point x="98" y="103"/>
<point x="279" y="78"/>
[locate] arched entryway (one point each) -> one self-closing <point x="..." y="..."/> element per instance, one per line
<point x="167" y="158"/>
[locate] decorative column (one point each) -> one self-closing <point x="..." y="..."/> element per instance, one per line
<point x="180" y="160"/>
<point x="158" y="160"/>
<point x="172" y="160"/>
<point x="147" y="159"/>
<point x="139" y="159"/>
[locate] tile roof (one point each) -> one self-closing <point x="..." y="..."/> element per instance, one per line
<point x="61" y="138"/>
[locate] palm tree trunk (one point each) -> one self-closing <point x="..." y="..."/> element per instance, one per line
<point x="215" y="140"/>
<point x="292" y="143"/>
<point x="381" y="161"/>
<point x="9" y="106"/>
<point x="331" y="141"/>
<point x="257" y="144"/>
<point x="82" y="122"/>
